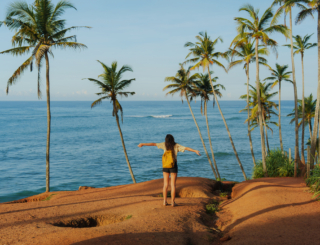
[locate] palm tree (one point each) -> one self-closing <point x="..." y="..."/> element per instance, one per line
<point x="203" y="88"/>
<point x="205" y="55"/>
<point x="245" y="51"/>
<point x="286" y="6"/>
<point x="314" y="7"/>
<point x="300" y="45"/>
<point x="39" y="27"/>
<point x="279" y="74"/>
<point x="310" y="109"/>
<point x="266" y="106"/>
<point x="254" y="124"/>
<point x="184" y="84"/>
<point x="258" y="29"/>
<point x="111" y="86"/>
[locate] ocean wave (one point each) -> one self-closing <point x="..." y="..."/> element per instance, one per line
<point x="154" y="116"/>
<point x="162" y="116"/>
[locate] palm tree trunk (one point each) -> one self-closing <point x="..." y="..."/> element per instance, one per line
<point x="209" y="137"/>
<point x="280" y="134"/>
<point x="226" y="125"/>
<point x="315" y="126"/>
<point x="263" y="147"/>
<point x="248" y="110"/>
<point x="124" y="148"/>
<point x="295" y="96"/>
<point x="265" y="129"/>
<point x="302" y="134"/>
<point x="204" y="146"/>
<point x="48" y="125"/>
<point x="310" y="128"/>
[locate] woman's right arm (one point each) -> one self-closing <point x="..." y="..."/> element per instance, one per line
<point x="147" y="144"/>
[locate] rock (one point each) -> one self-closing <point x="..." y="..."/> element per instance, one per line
<point x="225" y="238"/>
<point x="85" y="188"/>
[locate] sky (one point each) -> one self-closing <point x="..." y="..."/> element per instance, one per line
<point x="149" y="36"/>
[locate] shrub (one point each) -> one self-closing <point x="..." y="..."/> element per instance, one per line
<point x="314" y="181"/>
<point x="278" y="165"/>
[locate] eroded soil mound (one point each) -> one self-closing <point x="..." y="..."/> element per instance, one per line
<point x="271" y="211"/>
<point x="128" y="214"/>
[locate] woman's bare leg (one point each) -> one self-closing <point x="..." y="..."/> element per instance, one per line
<point x="165" y="187"/>
<point x="173" y="187"/>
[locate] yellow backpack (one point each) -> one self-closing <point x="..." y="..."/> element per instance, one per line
<point x="167" y="160"/>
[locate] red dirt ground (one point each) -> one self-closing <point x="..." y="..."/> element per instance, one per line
<point x="271" y="211"/>
<point x="264" y="211"/>
<point x="32" y="221"/>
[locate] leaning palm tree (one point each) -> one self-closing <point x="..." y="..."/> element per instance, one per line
<point x="111" y="86"/>
<point x="286" y="7"/>
<point x="205" y="55"/>
<point x="259" y="29"/>
<point x="310" y="109"/>
<point x="279" y="74"/>
<point x="203" y="88"/>
<point x="245" y="51"/>
<point x="314" y="7"/>
<point x="38" y="29"/>
<point x="183" y="83"/>
<point x="300" y="46"/>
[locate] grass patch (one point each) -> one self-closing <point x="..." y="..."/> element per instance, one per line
<point x="314" y="181"/>
<point x="48" y="197"/>
<point x="278" y="165"/>
<point x="212" y="207"/>
<point x="129" y="216"/>
<point x="223" y="194"/>
<point x="168" y="194"/>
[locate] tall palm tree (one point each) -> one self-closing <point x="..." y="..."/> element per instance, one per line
<point x="38" y="29"/>
<point x="245" y="51"/>
<point x="111" y="86"/>
<point x="203" y="88"/>
<point x="279" y="74"/>
<point x="300" y="46"/>
<point x="266" y="107"/>
<point x="205" y="55"/>
<point x="286" y="6"/>
<point x="310" y="109"/>
<point x="183" y="83"/>
<point x="259" y="29"/>
<point x="314" y="7"/>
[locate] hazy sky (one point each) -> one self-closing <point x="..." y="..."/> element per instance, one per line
<point x="149" y="36"/>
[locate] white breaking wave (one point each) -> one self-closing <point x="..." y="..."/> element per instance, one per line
<point x="154" y="116"/>
<point x="162" y="116"/>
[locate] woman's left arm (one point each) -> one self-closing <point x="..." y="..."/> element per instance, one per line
<point x="192" y="150"/>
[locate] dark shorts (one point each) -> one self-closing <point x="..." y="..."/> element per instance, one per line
<point x="171" y="170"/>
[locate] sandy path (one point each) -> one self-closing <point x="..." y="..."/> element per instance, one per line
<point x="271" y="211"/>
<point x="148" y="222"/>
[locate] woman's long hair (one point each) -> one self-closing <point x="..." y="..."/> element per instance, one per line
<point x="169" y="143"/>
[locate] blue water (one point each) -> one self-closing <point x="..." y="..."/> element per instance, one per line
<point x="86" y="147"/>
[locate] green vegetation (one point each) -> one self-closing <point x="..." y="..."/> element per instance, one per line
<point x="223" y="194"/>
<point x="129" y="216"/>
<point x="278" y="165"/>
<point x="212" y="207"/>
<point x="314" y="181"/>
<point x="48" y="197"/>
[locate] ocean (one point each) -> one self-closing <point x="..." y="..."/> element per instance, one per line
<point x="86" y="149"/>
